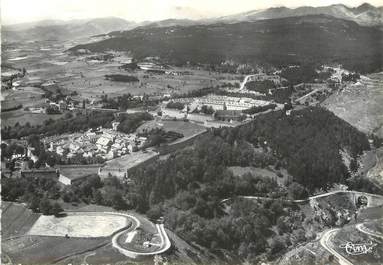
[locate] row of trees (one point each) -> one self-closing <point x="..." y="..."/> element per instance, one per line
<point x="122" y="78"/>
<point x="44" y="194"/>
<point x="126" y="101"/>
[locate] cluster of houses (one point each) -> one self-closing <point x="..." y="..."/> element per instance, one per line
<point x="58" y="106"/>
<point x="104" y="143"/>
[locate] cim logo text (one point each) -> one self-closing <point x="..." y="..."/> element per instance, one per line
<point x="358" y="249"/>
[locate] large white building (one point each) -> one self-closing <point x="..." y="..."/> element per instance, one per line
<point x="218" y="102"/>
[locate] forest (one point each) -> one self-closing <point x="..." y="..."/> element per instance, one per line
<point x="276" y="42"/>
<point x="187" y="188"/>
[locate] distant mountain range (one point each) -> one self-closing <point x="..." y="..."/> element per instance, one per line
<point x="365" y="14"/>
<point x="63" y="30"/>
<point x="313" y="38"/>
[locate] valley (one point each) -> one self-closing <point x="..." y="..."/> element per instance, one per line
<point x="249" y="138"/>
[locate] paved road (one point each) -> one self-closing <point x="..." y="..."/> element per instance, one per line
<point x="245" y="81"/>
<point x="309" y="198"/>
<point x="164" y="245"/>
<point x="325" y="240"/>
<point x="367" y="231"/>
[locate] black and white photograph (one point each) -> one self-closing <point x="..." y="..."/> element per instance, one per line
<point x="191" y="132"/>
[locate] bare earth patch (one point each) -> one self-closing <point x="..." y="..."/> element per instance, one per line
<point x="79" y="225"/>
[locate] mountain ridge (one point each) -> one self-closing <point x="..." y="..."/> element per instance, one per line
<point x="293" y="40"/>
<point x="365" y="14"/>
<point x="63" y="30"/>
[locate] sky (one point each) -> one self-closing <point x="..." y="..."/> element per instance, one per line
<point x="20" y="11"/>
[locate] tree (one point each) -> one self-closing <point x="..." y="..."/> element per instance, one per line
<point x="56" y="209"/>
<point x="97" y="197"/>
<point x="45" y="206"/>
<point x="155" y="212"/>
<point x="277" y="244"/>
<point x="354" y="165"/>
<point x="297" y="191"/>
<point x="34" y="204"/>
<point x="118" y="202"/>
<point x="30" y="164"/>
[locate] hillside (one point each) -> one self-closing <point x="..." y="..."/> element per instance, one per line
<point x="364" y="14"/>
<point x="318" y="38"/>
<point x="188" y="187"/>
<point x="360" y="104"/>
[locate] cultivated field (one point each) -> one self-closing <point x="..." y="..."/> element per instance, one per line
<point x="186" y="128"/>
<point x="130" y="160"/>
<point x="79" y="225"/>
<point x="16" y="220"/>
<point x="90" y="81"/>
<point x="47" y="250"/>
<point x="10" y="118"/>
<point x="27" y="97"/>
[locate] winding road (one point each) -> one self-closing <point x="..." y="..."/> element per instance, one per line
<point x="325" y="241"/>
<point x="164" y="245"/>
<point x="245" y="81"/>
<point x="368" y="231"/>
<point x="309" y="198"/>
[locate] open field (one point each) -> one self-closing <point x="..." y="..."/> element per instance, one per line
<point x="79" y="225"/>
<point x="47" y="250"/>
<point x="16" y="220"/>
<point x="131" y="160"/>
<point x="104" y="255"/>
<point x="263" y="172"/>
<point x="186" y="128"/>
<point x="360" y="104"/>
<point x="88" y="242"/>
<point x="27" y="97"/>
<point x="89" y="81"/>
<point x="75" y="172"/>
<point x="10" y="118"/>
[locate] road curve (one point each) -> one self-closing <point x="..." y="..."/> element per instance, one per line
<point x="367" y="231"/>
<point x="324" y="242"/>
<point x="165" y="244"/>
<point x="309" y="198"/>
